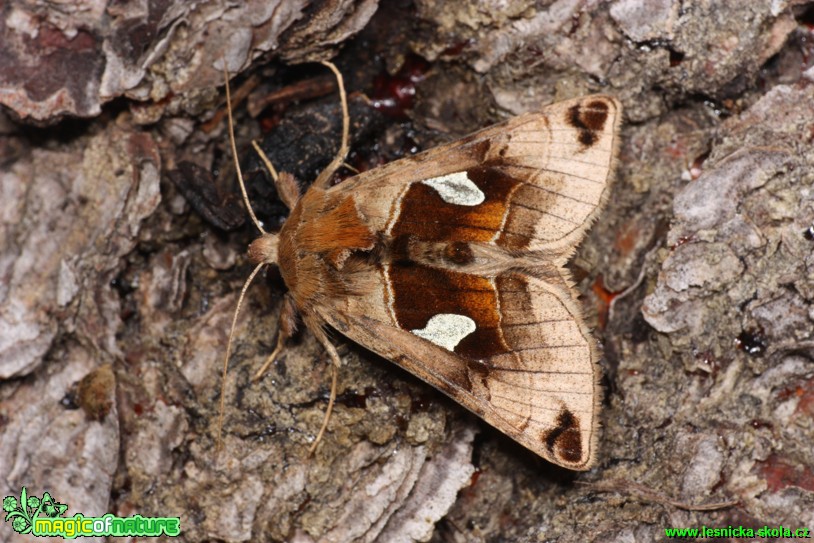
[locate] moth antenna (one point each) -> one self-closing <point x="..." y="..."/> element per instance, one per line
<point x="222" y="409"/>
<point x="325" y="177"/>
<point x="234" y="150"/>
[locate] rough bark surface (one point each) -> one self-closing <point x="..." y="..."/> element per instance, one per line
<point x="118" y="279"/>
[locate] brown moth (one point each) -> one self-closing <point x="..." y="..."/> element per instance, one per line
<point x="450" y="263"/>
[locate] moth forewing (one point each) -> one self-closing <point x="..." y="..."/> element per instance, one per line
<point x="450" y="264"/>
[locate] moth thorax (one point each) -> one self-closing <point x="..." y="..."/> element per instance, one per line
<point x="264" y="249"/>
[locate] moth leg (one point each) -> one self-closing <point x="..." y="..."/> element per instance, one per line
<point x="286" y="328"/>
<point x="336" y="362"/>
<point x="324" y="179"/>
<point x="266" y="161"/>
<point x="286" y="184"/>
<point x="334" y="372"/>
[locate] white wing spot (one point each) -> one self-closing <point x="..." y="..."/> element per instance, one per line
<point x="446" y="330"/>
<point x="456" y="188"/>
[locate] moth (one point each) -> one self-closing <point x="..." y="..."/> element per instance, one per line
<point x="450" y="263"/>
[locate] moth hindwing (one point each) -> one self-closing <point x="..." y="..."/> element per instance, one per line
<point x="450" y="263"/>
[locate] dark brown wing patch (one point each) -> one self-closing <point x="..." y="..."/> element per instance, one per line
<point x="422" y="292"/>
<point x="427" y="217"/>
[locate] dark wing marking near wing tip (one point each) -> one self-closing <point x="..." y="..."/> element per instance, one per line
<point x="589" y="120"/>
<point x="564" y="440"/>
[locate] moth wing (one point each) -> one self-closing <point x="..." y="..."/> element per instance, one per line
<point x="510" y="344"/>
<point x="538" y="383"/>
<point x="543" y="177"/>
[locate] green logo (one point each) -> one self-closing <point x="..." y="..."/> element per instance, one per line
<point x="43" y="517"/>
<point x="22" y="513"/>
